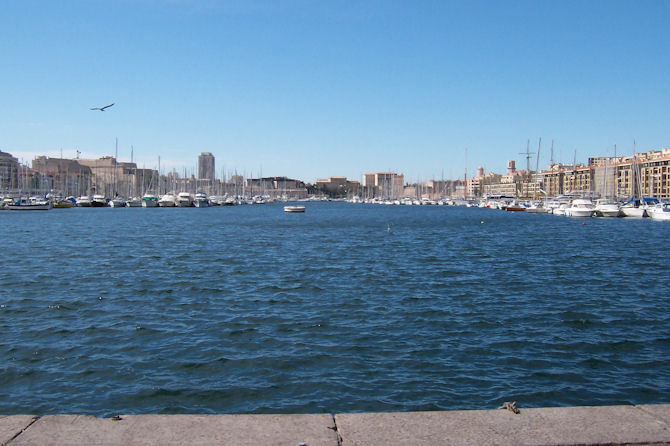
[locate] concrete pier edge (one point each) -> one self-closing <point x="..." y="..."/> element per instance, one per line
<point x="582" y="425"/>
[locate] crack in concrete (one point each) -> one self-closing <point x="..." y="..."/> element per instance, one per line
<point x="21" y="431"/>
<point x="335" y="429"/>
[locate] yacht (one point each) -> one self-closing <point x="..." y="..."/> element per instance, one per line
<point x="133" y="202"/>
<point x="117" y="203"/>
<point x="660" y="211"/>
<point x="149" y="201"/>
<point x="607" y="208"/>
<point x="638" y="207"/>
<point x="167" y="201"/>
<point x="201" y="200"/>
<point x="184" y="200"/>
<point x="84" y="201"/>
<point x="536" y="207"/>
<point x="580" y="207"/>
<point x="98" y="201"/>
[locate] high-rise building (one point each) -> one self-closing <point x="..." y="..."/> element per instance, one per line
<point x="206" y="166"/>
<point x="9" y="171"/>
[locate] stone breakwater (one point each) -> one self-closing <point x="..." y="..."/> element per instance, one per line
<point x="611" y="425"/>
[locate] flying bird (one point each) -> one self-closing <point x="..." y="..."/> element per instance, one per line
<point x="102" y="108"/>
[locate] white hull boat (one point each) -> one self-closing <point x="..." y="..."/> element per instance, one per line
<point x="660" y="212"/>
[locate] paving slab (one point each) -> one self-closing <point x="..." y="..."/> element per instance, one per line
<point x="12" y="425"/>
<point x="418" y="428"/>
<point x="582" y="425"/>
<point x="168" y="430"/>
<point x="660" y="411"/>
<point x="616" y="425"/>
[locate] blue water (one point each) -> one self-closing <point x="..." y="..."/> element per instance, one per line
<point x="344" y="308"/>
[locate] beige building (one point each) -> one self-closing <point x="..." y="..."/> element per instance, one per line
<point x="642" y="174"/>
<point x="384" y="185"/>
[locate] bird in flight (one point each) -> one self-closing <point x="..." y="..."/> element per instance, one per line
<point x="102" y="108"/>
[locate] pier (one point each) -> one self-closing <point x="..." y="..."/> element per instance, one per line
<point x="605" y="425"/>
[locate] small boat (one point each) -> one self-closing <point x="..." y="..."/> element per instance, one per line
<point x="117" y="203"/>
<point x="84" y="201"/>
<point x="98" y="201"/>
<point x="515" y="206"/>
<point x="149" y="201"/>
<point x="201" y="200"/>
<point x="581" y="207"/>
<point x="133" y="203"/>
<point x="607" y="208"/>
<point x="24" y="204"/>
<point x="661" y="211"/>
<point x="294" y="209"/>
<point x="167" y="201"/>
<point x="184" y="200"/>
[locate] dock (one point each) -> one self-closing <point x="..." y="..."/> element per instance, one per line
<point x="603" y="425"/>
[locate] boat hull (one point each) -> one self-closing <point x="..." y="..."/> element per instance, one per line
<point x="28" y="207"/>
<point x="294" y="209"/>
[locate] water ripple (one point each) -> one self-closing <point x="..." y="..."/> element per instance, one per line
<point x="249" y="310"/>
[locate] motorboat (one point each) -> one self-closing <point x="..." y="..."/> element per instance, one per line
<point x="184" y="200"/>
<point x="149" y="201"/>
<point x="117" y="203"/>
<point x="515" y="206"/>
<point x="607" y="208"/>
<point x="638" y="207"/>
<point x="134" y="203"/>
<point x="84" y="201"/>
<point x="536" y="207"/>
<point x="660" y="211"/>
<point x="580" y="207"/>
<point x="167" y="201"/>
<point x="201" y="200"/>
<point x="25" y="204"/>
<point x="294" y="209"/>
<point x="98" y="201"/>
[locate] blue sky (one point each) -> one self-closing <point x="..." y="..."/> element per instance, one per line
<point x="311" y="89"/>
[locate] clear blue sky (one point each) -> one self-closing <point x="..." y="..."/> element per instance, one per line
<point x="311" y="89"/>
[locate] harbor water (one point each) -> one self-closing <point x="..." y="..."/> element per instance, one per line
<point x="344" y="308"/>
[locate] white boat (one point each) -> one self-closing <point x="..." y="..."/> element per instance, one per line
<point x="117" y="203"/>
<point x="661" y="211"/>
<point x="607" y="208"/>
<point x="638" y="207"/>
<point x="536" y="208"/>
<point x="149" y="201"/>
<point x="201" y="200"/>
<point x="167" y="201"/>
<point x="580" y="207"/>
<point x="98" y="201"/>
<point x="184" y="200"/>
<point x="134" y="203"/>
<point x="294" y="209"/>
<point x="84" y="201"/>
<point x="25" y="204"/>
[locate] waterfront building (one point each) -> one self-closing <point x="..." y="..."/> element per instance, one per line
<point x="276" y="187"/>
<point x="641" y="174"/>
<point x="66" y="176"/>
<point x="338" y="186"/>
<point x="385" y="185"/>
<point x="9" y="172"/>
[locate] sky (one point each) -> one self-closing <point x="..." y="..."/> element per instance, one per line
<point x="312" y="89"/>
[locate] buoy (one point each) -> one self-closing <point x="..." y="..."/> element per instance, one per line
<point x="482" y="222"/>
<point x="583" y="223"/>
